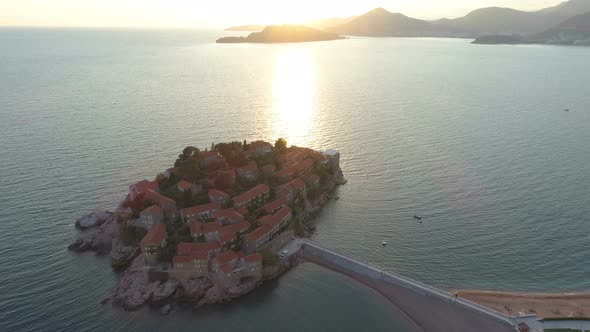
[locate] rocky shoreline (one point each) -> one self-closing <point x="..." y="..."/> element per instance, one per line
<point x="135" y="290"/>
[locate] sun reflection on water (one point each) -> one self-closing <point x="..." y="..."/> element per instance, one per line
<point x="293" y="96"/>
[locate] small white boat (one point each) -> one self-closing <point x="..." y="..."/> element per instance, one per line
<point x="384" y="242"/>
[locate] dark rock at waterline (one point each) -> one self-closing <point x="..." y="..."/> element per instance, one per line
<point x="165" y="310"/>
<point x="94" y="219"/>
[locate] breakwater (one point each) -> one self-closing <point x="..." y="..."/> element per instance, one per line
<point x="376" y="276"/>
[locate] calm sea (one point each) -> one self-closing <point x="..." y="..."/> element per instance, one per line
<point x="472" y="138"/>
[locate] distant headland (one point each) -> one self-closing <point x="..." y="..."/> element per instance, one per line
<point x="283" y="34"/>
<point x="215" y="225"/>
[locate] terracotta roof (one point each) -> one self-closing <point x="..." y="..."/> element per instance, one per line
<point x="217" y="194"/>
<point x="235" y="228"/>
<point x="245" y="197"/>
<point x="225" y="257"/>
<point x="230" y="214"/>
<point x="275" y="219"/>
<point x="196" y="227"/>
<point x="201" y="256"/>
<point x="155" y="235"/>
<point x="252" y="258"/>
<point x="181" y="259"/>
<point x="285" y="172"/>
<point x="159" y="199"/>
<point x="227" y="238"/>
<point x="193" y="248"/>
<point x="297" y="184"/>
<point x="269" y="207"/>
<point x="211" y="227"/>
<point x="144" y="185"/>
<point x="184" y="185"/>
<point x="154" y="209"/>
<point x="199" y="209"/>
<point x="313" y="178"/>
<point x="258" y="233"/>
<point x="269" y="168"/>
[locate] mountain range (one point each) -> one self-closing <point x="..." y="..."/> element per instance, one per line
<point x="481" y="22"/>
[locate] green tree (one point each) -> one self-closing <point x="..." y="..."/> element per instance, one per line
<point x="268" y="257"/>
<point x="281" y="144"/>
<point x="190" y="151"/>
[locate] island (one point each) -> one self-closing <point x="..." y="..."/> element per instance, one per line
<point x="214" y="226"/>
<point x="283" y="34"/>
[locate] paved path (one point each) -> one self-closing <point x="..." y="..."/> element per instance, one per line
<point x="292" y="246"/>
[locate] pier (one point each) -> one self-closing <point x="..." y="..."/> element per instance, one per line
<point x="432" y="309"/>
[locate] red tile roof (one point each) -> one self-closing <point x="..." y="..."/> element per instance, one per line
<point x="225" y="257"/>
<point x="217" y="194"/>
<point x="199" y="209"/>
<point x="229" y="214"/>
<point x="250" y="194"/>
<point x="153" y="210"/>
<point x="211" y="227"/>
<point x="252" y="258"/>
<point x="201" y="247"/>
<point x="184" y="185"/>
<point x="285" y="172"/>
<point x="201" y="256"/>
<point x="269" y="207"/>
<point x="155" y="235"/>
<point x="144" y="185"/>
<point x="258" y="233"/>
<point x="227" y="238"/>
<point x="313" y="178"/>
<point x="297" y="184"/>
<point x="159" y="199"/>
<point x="275" y="219"/>
<point x="235" y="228"/>
<point x="196" y="227"/>
<point x="269" y="168"/>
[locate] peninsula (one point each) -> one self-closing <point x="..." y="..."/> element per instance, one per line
<point x="215" y="225"/>
<point x="283" y="34"/>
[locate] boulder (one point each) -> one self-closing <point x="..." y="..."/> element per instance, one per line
<point x="165" y="310"/>
<point x="94" y="219"/>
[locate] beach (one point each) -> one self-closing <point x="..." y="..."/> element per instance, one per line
<point x="544" y="305"/>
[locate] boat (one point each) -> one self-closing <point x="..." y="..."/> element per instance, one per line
<point x="384" y="242"/>
<point x="417" y="217"/>
<point x="566" y="110"/>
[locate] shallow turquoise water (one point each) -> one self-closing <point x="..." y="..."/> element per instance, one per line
<point x="473" y="138"/>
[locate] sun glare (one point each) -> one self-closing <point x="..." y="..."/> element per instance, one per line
<point x="293" y="95"/>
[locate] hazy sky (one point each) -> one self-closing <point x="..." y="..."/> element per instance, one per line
<point x="218" y="13"/>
